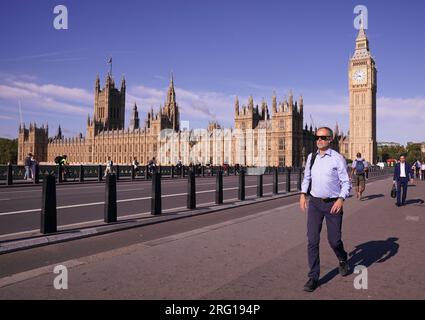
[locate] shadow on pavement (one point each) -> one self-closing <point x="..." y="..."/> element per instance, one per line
<point x="413" y="201"/>
<point x="372" y="196"/>
<point x="367" y="254"/>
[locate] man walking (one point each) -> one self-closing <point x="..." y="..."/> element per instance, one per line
<point x="326" y="181"/>
<point x="402" y="172"/>
<point x="27" y="164"/>
<point x="109" y="165"/>
<point x="358" y="174"/>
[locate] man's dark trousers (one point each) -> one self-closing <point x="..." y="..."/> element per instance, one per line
<point x="402" y="183"/>
<point x="317" y="210"/>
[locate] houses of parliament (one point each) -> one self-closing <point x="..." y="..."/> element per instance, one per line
<point x="259" y="138"/>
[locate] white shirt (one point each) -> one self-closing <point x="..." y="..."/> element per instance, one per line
<point x="402" y="170"/>
<point x="423" y="166"/>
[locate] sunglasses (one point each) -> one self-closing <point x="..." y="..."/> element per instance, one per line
<point x="324" y="138"/>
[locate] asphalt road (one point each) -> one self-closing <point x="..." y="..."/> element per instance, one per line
<point x="79" y="204"/>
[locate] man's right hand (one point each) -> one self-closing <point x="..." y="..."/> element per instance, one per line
<point x="303" y="202"/>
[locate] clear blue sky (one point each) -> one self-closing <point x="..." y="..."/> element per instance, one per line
<point x="216" y="49"/>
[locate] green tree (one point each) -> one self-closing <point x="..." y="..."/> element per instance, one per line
<point x="413" y="153"/>
<point x="8" y="151"/>
<point x="386" y="153"/>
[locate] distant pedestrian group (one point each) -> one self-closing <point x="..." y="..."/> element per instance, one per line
<point x="30" y="164"/>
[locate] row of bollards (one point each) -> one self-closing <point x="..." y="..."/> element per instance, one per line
<point x="49" y="214"/>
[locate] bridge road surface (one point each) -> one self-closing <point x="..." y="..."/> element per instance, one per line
<point x="20" y="206"/>
<point x="253" y="252"/>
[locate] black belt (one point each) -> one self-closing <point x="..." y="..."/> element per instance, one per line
<point x="327" y="200"/>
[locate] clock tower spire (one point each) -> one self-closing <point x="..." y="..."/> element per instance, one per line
<point x="362" y="80"/>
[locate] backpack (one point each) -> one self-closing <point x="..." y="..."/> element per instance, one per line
<point x="58" y="159"/>
<point x="359" y="167"/>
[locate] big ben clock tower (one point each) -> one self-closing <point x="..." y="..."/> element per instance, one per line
<point x="362" y="87"/>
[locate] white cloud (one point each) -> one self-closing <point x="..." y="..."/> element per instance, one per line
<point x="60" y="99"/>
<point x="52" y="90"/>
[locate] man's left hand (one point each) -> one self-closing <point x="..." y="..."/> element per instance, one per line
<point x="337" y="207"/>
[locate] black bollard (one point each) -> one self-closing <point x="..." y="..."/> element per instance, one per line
<point x="260" y="186"/>
<point x="191" y="191"/>
<point x="288" y="179"/>
<point x="117" y="168"/>
<point x="275" y="181"/>
<point x="110" y="207"/>
<point x="9" y="180"/>
<point x="172" y="171"/>
<point x="36" y="174"/>
<point x="60" y="170"/>
<point x="299" y="181"/>
<point x="203" y="171"/>
<point x="156" y="194"/>
<point x="48" y="206"/>
<point x="183" y="173"/>
<point x="99" y="173"/>
<point x="219" y="188"/>
<point x="241" y="193"/>
<point x="81" y="177"/>
<point x="147" y="172"/>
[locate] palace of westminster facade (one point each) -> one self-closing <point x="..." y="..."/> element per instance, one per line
<point x="257" y="139"/>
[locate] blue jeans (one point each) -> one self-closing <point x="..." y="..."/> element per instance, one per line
<point x="27" y="173"/>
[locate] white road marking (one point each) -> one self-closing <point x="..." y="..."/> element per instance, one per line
<point x="412" y="218"/>
<point x="122" y="201"/>
<point x="120" y="218"/>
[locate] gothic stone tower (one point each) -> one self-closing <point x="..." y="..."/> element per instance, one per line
<point x="109" y="105"/>
<point x="33" y="140"/>
<point x="362" y="78"/>
<point x="287" y="135"/>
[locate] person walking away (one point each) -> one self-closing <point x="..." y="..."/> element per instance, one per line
<point x="27" y="164"/>
<point x="34" y="163"/>
<point x="359" y="173"/>
<point x="64" y="163"/>
<point x="402" y="172"/>
<point x="109" y="165"/>
<point x="327" y="184"/>
<point x="417" y="168"/>
<point x="135" y="165"/>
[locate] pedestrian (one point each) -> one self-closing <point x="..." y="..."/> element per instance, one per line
<point x="27" y="164"/>
<point x="325" y="186"/>
<point x="109" y="165"/>
<point x="423" y="171"/>
<point x="34" y="163"/>
<point x="63" y="162"/>
<point x="359" y="172"/>
<point x="135" y="165"/>
<point x="417" y="167"/>
<point x="402" y="172"/>
<point x="152" y="165"/>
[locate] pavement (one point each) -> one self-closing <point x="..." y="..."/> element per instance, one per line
<point x="255" y="253"/>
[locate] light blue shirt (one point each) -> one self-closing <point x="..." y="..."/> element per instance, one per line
<point x="329" y="176"/>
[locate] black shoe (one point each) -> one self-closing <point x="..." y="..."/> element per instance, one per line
<point x="398" y="205"/>
<point x="344" y="268"/>
<point x="311" y="285"/>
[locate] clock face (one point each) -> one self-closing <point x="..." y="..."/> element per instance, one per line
<point x="359" y="76"/>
